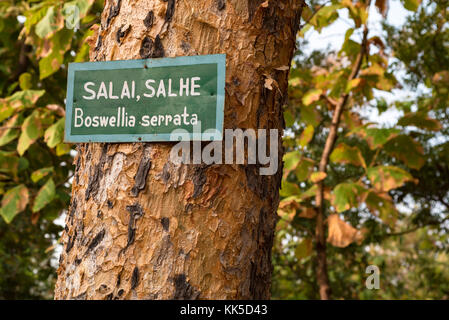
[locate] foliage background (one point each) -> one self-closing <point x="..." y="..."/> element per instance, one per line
<point x="37" y="41"/>
<point x="384" y="187"/>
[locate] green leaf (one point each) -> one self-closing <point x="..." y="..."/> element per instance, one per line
<point x="375" y="137"/>
<point x="304" y="249"/>
<point x="351" y="48"/>
<point x="386" y="82"/>
<point x="304" y="169"/>
<point x="23" y="164"/>
<point x="63" y="148"/>
<point x="325" y="16"/>
<point x="411" y="5"/>
<point x="406" y="149"/>
<point x="22" y="99"/>
<point x="14" y="201"/>
<point x="304" y="30"/>
<point x="82" y="5"/>
<point x="289" y="118"/>
<point x="48" y="24"/>
<point x="34" y="15"/>
<point x="291" y="160"/>
<point x="420" y="120"/>
<point x="9" y="163"/>
<point x="31" y="130"/>
<point x="373" y="70"/>
<point x="5" y="111"/>
<point x="306" y="13"/>
<point x="382" y="205"/>
<point x="311" y="192"/>
<point x="41" y="173"/>
<point x="45" y="195"/>
<point x="54" y="135"/>
<point x="347" y="195"/>
<point x="386" y="178"/>
<point x="60" y="43"/>
<point x="289" y="189"/>
<point x="348" y="155"/>
<point x="310" y="115"/>
<point x="349" y="33"/>
<point x="8" y="133"/>
<point x="25" y="81"/>
<point x="49" y="65"/>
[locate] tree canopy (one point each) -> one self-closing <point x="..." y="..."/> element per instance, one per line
<point x="383" y="184"/>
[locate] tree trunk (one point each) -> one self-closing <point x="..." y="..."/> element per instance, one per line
<point x="140" y="227"/>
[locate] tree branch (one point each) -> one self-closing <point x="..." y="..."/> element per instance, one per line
<point x="322" y="276"/>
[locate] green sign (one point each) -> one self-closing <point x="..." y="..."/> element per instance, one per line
<point x="146" y="100"/>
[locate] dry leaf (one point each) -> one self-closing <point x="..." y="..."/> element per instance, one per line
<point x="35" y="217"/>
<point x="287" y="209"/>
<point x="341" y="234"/>
<point x="57" y="108"/>
<point x="327" y="193"/>
<point x="307" y="213"/>
<point x="383" y="7"/>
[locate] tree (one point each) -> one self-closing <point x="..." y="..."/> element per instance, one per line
<point x="139" y="226"/>
<point x="406" y="236"/>
<point x="383" y="189"/>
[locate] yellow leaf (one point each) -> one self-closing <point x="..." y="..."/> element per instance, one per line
<point x="386" y="178"/>
<point x="382" y="205"/>
<point x="318" y="176"/>
<point x="353" y="84"/>
<point x="14" y="201"/>
<point x="306" y="136"/>
<point x="31" y="130"/>
<point x="311" y="96"/>
<point x="347" y="155"/>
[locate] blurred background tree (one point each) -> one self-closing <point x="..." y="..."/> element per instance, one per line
<point x="385" y="186"/>
<point x="356" y="191"/>
<point x="37" y="41"/>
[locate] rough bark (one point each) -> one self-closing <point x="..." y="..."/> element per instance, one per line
<point x="140" y="227"/>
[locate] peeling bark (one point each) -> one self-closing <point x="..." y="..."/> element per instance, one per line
<point x="171" y="231"/>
